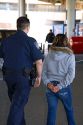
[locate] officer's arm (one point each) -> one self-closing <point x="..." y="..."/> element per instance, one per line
<point x="39" y="65"/>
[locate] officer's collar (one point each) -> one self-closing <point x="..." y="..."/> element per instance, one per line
<point x="21" y="32"/>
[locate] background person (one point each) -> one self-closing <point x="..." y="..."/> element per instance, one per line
<point x="19" y="53"/>
<point x="58" y="74"/>
<point x="49" y="37"/>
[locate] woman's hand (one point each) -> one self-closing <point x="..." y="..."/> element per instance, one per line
<point x="53" y="88"/>
<point x="50" y="86"/>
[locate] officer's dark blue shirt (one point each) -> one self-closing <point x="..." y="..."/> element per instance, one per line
<point x="19" y="51"/>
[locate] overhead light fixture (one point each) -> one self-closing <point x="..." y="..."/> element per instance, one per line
<point x="57" y="2"/>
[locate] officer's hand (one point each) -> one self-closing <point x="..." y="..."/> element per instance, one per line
<point x="37" y="82"/>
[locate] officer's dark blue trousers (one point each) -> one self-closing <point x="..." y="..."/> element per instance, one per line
<point x="64" y="96"/>
<point x="18" y="92"/>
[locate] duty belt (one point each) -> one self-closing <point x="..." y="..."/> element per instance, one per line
<point x="25" y="72"/>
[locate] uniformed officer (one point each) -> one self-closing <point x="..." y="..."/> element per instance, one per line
<point x="19" y="52"/>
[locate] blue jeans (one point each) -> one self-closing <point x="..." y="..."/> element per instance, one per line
<point x="18" y="92"/>
<point x="64" y="96"/>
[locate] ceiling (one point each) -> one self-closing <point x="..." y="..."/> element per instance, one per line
<point x="78" y="6"/>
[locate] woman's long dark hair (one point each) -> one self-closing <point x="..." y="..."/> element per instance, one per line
<point x="60" y="41"/>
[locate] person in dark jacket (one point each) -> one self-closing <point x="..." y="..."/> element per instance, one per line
<point x="19" y="53"/>
<point x="49" y="37"/>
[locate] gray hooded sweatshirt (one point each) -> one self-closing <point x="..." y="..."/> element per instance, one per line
<point x="59" y="66"/>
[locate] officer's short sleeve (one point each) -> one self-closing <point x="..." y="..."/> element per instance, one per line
<point x="35" y="51"/>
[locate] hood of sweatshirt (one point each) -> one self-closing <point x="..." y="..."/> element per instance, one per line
<point x="58" y="55"/>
